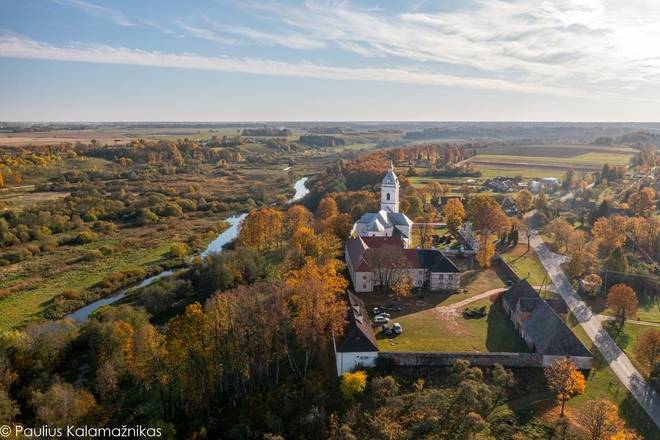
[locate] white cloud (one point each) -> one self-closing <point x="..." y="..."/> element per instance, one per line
<point x="604" y="44"/>
<point x="12" y="46"/>
<point x="117" y="17"/>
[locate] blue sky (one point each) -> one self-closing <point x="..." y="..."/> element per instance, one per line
<point x="238" y="60"/>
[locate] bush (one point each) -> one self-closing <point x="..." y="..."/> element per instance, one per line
<point x="92" y="255"/>
<point x="179" y="250"/>
<point x="353" y="384"/>
<point x="85" y="237"/>
<point x="473" y="312"/>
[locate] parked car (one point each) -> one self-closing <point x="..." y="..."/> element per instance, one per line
<point x="386" y="330"/>
<point x="396" y="328"/>
<point x="377" y="311"/>
<point x="379" y="319"/>
<point x="385" y="314"/>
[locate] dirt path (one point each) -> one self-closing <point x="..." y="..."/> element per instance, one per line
<point x="628" y="321"/>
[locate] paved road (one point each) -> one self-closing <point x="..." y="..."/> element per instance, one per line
<point x="614" y="356"/>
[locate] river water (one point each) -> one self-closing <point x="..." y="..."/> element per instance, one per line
<point x="215" y="246"/>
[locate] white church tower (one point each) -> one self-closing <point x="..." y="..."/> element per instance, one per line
<point x="389" y="191"/>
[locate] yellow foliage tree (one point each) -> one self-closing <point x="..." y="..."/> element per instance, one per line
<point x="353" y="384"/>
<point x="600" y="419"/>
<point x="565" y="380"/>
<point x="454" y="213"/>
<point x="647" y="347"/>
<point x="486" y="250"/>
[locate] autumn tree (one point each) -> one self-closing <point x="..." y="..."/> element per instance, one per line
<point x="592" y="284"/>
<point x="353" y="384"/>
<point x="623" y="301"/>
<point x="564" y="380"/>
<point x="319" y="310"/>
<point x="541" y="201"/>
<point x="647" y="348"/>
<point x="486" y="250"/>
<point x="389" y="264"/>
<point x="524" y="200"/>
<point x="63" y="404"/>
<point x="454" y="214"/>
<point x="642" y="202"/>
<point x="561" y="232"/>
<point x="600" y="419"/>
<point x="610" y="232"/>
<point x="486" y="214"/>
<point x="262" y="229"/>
<point x="297" y="216"/>
<point x="581" y="255"/>
<point x="2" y="181"/>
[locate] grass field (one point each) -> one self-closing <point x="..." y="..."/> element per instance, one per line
<point x="603" y="383"/>
<point x="526" y="264"/>
<point x="434" y="329"/>
<point x="627" y="341"/>
<point x="583" y="160"/>
<point x="648" y="307"/>
<point x="28" y="304"/>
<point x="430" y="324"/>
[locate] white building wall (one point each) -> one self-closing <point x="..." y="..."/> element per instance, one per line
<point x="355" y="360"/>
<point x="363" y="282"/>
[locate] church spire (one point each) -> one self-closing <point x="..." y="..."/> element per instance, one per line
<point x="389" y="190"/>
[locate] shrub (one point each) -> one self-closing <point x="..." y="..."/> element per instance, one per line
<point x="92" y="255"/>
<point x="353" y="384"/>
<point x="473" y="312"/>
<point x="85" y="237"/>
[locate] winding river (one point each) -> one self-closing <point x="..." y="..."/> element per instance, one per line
<point x="215" y="246"/>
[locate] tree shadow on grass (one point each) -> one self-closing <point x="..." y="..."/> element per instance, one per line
<point x="502" y="336"/>
<point x="636" y="417"/>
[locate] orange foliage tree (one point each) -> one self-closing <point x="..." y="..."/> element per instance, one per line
<point x="623" y="301"/>
<point x="564" y="380"/>
<point x="318" y="310"/>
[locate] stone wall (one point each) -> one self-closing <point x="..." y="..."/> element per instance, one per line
<point x="508" y="270"/>
<point x="438" y="359"/>
<point x="408" y="359"/>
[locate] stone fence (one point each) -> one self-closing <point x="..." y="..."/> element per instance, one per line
<point x="416" y="358"/>
<point x="478" y="359"/>
<point x="508" y="270"/>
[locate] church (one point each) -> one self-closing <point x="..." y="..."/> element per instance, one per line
<point x="388" y="222"/>
<point x="392" y="230"/>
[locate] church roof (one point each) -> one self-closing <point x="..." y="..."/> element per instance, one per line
<point x="386" y="218"/>
<point x="390" y="178"/>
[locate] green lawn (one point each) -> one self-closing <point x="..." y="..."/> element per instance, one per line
<point x="648" y="307"/>
<point x="27" y="305"/>
<point x="489" y="171"/>
<point x="627" y="341"/>
<point x="603" y="383"/>
<point x="526" y="264"/>
<point x="433" y="330"/>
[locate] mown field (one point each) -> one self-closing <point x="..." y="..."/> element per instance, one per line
<point x="538" y="161"/>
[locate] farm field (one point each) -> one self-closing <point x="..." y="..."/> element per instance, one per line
<point x="586" y="160"/>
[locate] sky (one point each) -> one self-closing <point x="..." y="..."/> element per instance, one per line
<point x="317" y="60"/>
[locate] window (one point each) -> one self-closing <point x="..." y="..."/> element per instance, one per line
<point x="364" y="286"/>
<point x="388" y="196"/>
